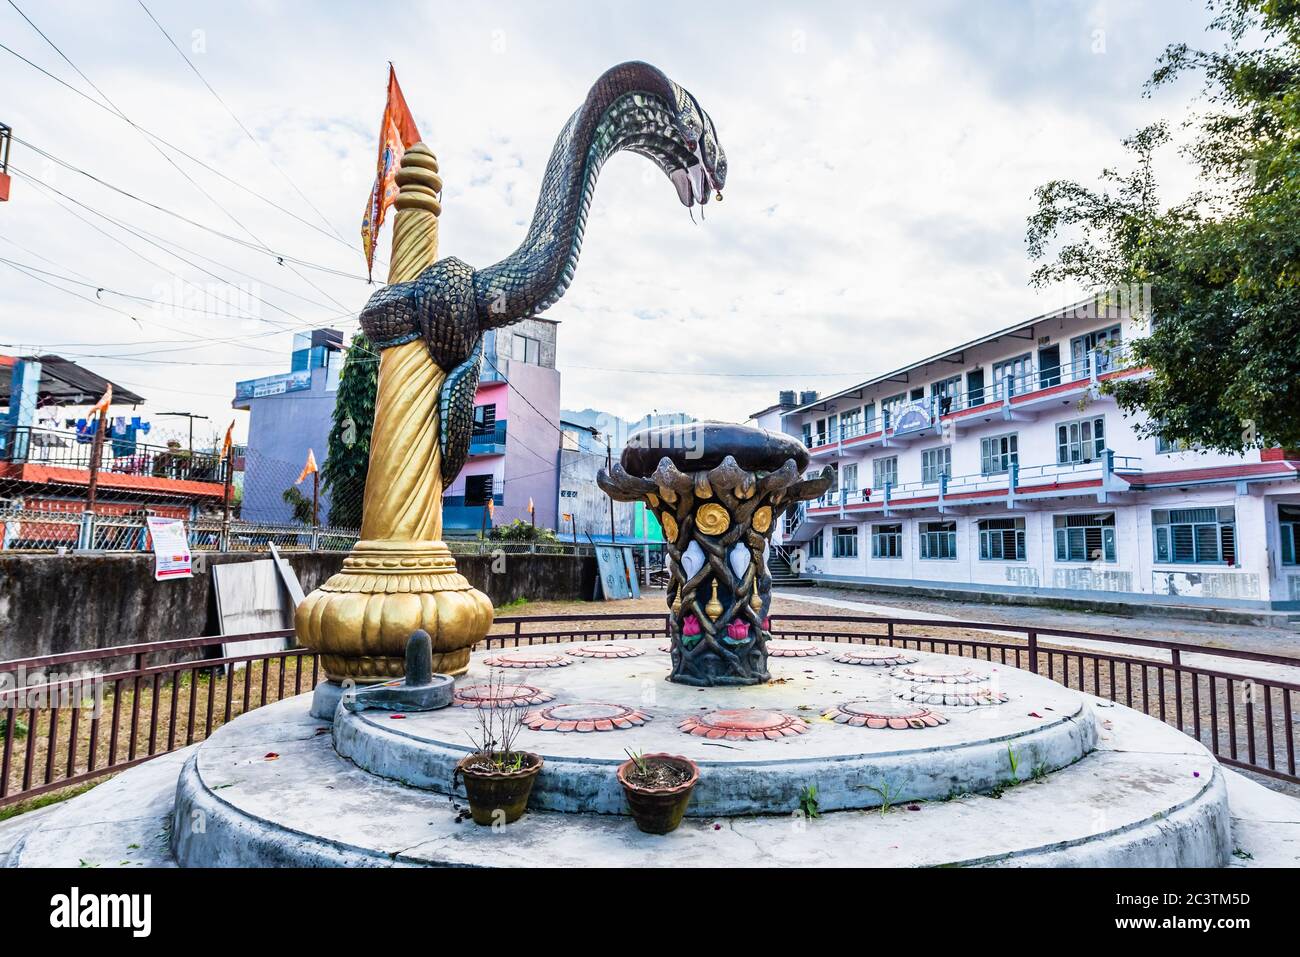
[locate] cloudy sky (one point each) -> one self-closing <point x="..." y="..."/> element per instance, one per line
<point x="882" y="158"/>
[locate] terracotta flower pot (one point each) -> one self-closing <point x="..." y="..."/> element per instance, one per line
<point x="493" y="792"/>
<point x="658" y="810"/>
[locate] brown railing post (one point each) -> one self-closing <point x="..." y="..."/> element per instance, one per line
<point x="1032" y="637"/>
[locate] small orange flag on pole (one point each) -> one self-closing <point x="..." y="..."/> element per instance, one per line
<point x="229" y="440"/>
<point x="100" y="408"/>
<point x="491" y="507"/>
<point x="308" y="469"/>
<point x="397" y="131"/>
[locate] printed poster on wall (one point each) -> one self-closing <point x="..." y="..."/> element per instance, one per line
<point x="171" y="548"/>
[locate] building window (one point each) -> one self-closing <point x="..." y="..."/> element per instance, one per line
<point x="1082" y="441"/>
<point x="849" y="478"/>
<point x="1083" y="347"/>
<point x="807" y="434"/>
<point x="851" y="424"/>
<point x="1196" y="536"/>
<point x="884" y="470"/>
<point x="998" y="453"/>
<point x="1166" y="446"/>
<point x="816" y="545"/>
<point x="526" y="349"/>
<point x="485" y="419"/>
<point x="936" y="463"/>
<point x="569" y="440"/>
<point x="1020" y="370"/>
<point x="478" y="489"/>
<point x="845" y="543"/>
<point x="1085" y="538"/>
<point x="889" y="409"/>
<point x="886" y="541"/>
<point x="1289" y="517"/>
<point x="939" y="540"/>
<point x="945" y="394"/>
<point x="1002" y="539"/>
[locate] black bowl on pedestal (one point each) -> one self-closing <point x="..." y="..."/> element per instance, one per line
<point x="700" y="446"/>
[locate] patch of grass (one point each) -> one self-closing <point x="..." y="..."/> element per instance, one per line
<point x="20" y="728"/>
<point x="519" y="602"/>
<point x="808" y="802"/>
<point x="889" y="796"/>
<point x="44" y="800"/>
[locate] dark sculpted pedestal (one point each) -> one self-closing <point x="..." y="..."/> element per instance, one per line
<point x="718" y="490"/>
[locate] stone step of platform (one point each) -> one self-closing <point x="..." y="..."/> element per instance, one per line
<point x="269" y="790"/>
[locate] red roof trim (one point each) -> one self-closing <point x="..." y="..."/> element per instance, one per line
<point x="52" y="475"/>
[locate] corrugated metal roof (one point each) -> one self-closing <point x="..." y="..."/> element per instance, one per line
<point x="63" y="382"/>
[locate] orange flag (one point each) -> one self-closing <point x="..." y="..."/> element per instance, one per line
<point x="491" y="509"/>
<point x="396" y="133"/>
<point x="101" y="407"/>
<point x="229" y="441"/>
<point x="530" y="505"/>
<point x="307" y="469"/>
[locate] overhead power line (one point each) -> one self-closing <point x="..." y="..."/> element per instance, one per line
<point x="171" y="162"/>
<point x="252" y="139"/>
<point x="172" y="146"/>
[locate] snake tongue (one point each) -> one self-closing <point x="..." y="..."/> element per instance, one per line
<point x="682" y="181"/>
<point x="699" y="189"/>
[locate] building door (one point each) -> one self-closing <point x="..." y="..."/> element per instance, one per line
<point x="974" y="388"/>
<point x="1049" y="367"/>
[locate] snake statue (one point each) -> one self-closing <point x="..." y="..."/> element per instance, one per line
<point x="450" y="305"/>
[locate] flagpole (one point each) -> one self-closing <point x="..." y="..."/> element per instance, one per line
<point x="96" y="450"/>
<point x="225" y="498"/>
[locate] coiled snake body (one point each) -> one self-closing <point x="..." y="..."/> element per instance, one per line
<point x="450" y="305"/>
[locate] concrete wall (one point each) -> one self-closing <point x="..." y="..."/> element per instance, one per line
<point x="50" y="604"/>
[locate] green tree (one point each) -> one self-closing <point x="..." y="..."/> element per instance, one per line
<point x="1223" y="267"/>
<point x="301" y="505"/>
<point x="521" y="531"/>
<point x="344" y="471"/>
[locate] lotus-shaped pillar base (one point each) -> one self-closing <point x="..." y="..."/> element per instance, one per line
<point x="359" y="621"/>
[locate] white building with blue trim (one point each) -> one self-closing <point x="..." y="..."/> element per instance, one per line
<point x="1003" y="466"/>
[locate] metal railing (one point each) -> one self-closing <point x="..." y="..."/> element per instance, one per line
<point x="1085" y="371"/>
<point x="28" y="445"/>
<point x="1016" y="477"/>
<point x="73" y="717"/>
<point x="1245" y="720"/>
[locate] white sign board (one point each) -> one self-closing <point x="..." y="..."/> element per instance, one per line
<point x="171" y="548"/>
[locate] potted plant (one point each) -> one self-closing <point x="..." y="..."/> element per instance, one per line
<point x="657" y="787"/>
<point x="498" y="776"/>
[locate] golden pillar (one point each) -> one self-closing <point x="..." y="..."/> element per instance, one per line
<point x="400" y="576"/>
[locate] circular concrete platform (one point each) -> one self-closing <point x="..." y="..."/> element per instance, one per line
<point x="758" y="748"/>
<point x="269" y="790"/>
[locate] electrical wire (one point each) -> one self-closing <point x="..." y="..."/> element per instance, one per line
<point x="269" y="158"/>
<point x="171" y="162"/>
<point x="189" y="156"/>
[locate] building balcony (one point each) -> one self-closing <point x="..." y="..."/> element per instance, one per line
<point x="1015" y="398"/>
<point x="54" y="457"/>
<point x="488" y="441"/>
<point x="1099" y="478"/>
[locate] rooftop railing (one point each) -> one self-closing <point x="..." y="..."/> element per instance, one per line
<point x="29" y="445"/>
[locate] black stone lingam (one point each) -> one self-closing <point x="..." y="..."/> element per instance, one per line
<point x="718" y="490"/>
